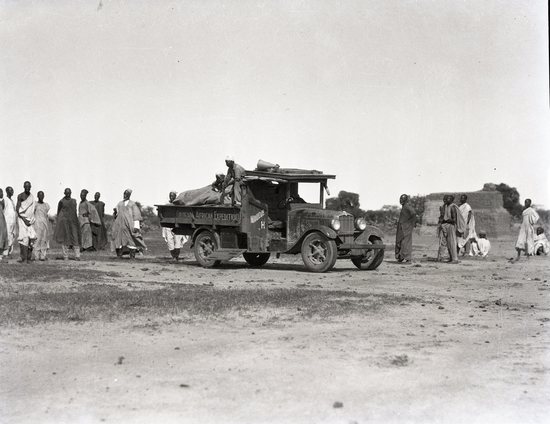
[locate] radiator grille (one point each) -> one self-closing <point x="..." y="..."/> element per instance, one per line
<point x="346" y="225"/>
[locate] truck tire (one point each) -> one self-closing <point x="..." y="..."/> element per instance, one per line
<point x="205" y="245"/>
<point x="372" y="259"/>
<point x="256" y="259"/>
<point x="319" y="253"/>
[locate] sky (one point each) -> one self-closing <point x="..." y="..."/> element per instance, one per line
<point x="391" y="96"/>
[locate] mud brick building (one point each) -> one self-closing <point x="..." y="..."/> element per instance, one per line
<point x="490" y="214"/>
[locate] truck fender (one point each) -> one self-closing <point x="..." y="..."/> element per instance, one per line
<point x="329" y="232"/>
<point x="370" y="231"/>
<point x="204" y="228"/>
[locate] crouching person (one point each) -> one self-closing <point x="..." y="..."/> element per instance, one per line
<point x="480" y="246"/>
<point x="542" y="246"/>
<point x="174" y="241"/>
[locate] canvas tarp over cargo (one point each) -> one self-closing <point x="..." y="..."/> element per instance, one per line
<point x="488" y="209"/>
<point x="200" y="196"/>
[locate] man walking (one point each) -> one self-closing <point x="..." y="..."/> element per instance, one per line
<point x="25" y="222"/>
<point x="526" y="238"/>
<point x="174" y="241"/>
<point x="405" y="226"/>
<point x="126" y="231"/>
<point x="67" y="230"/>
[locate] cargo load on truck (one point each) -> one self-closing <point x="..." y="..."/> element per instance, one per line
<point x="208" y="195"/>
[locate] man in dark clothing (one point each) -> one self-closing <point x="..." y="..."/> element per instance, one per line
<point x="405" y="226"/>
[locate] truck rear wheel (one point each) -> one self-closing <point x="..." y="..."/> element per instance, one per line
<point x="319" y="253"/>
<point x="371" y="259"/>
<point x="256" y="259"/>
<point x="205" y="245"/>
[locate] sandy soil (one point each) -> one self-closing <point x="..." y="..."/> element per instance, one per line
<point x="470" y="343"/>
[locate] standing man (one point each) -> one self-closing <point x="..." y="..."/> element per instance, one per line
<point x="526" y="237"/>
<point x="3" y="226"/>
<point x="452" y="225"/>
<point x="87" y="218"/>
<point x="25" y="222"/>
<point x="405" y="226"/>
<point x="174" y="241"/>
<point x="470" y="231"/>
<point x="11" y="220"/>
<point x="126" y="227"/>
<point x="99" y="233"/>
<point x="235" y="175"/>
<point x="67" y="230"/>
<point x="42" y="227"/>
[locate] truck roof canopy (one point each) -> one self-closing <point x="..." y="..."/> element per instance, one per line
<point x="297" y="175"/>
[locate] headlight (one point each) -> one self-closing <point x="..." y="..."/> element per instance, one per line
<point x="335" y="224"/>
<point x="360" y="224"/>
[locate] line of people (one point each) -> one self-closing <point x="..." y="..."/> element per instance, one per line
<point x="80" y="227"/>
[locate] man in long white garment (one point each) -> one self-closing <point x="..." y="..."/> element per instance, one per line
<point x="526" y="238"/>
<point x="470" y="233"/>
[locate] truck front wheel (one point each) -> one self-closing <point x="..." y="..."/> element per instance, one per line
<point x="256" y="259"/>
<point x="319" y="253"/>
<point x="205" y="245"/>
<point x="371" y="259"/>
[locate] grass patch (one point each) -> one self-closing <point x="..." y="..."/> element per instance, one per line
<point x="106" y="302"/>
<point x="49" y="273"/>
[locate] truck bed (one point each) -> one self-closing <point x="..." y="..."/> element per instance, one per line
<point x="173" y="216"/>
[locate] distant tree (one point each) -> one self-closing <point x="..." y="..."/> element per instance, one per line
<point x="149" y="216"/>
<point x="510" y="197"/>
<point x="417" y="202"/>
<point x="346" y="201"/>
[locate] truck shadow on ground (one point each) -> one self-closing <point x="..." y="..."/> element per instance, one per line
<point x="281" y="266"/>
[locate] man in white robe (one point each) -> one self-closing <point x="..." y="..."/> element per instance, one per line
<point x="11" y="220"/>
<point x="526" y="238"/>
<point x="480" y="246"/>
<point x="174" y="241"/>
<point x="470" y="232"/>
<point x="25" y="220"/>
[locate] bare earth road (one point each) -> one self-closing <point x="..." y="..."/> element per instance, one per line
<point x="427" y="343"/>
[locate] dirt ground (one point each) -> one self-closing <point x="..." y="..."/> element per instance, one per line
<point x="107" y="340"/>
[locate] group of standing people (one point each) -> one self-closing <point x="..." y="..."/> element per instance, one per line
<point x="79" y="226"/>
<point x="456" y="231"/>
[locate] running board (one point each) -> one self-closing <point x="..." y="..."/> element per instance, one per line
<point x="225" y="254"/>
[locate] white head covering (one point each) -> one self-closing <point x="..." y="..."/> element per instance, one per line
<point x="229" y="158"/>
<point x="129" y="190"/>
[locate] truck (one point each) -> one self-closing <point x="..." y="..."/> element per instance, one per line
<point x="273" y="219"/>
